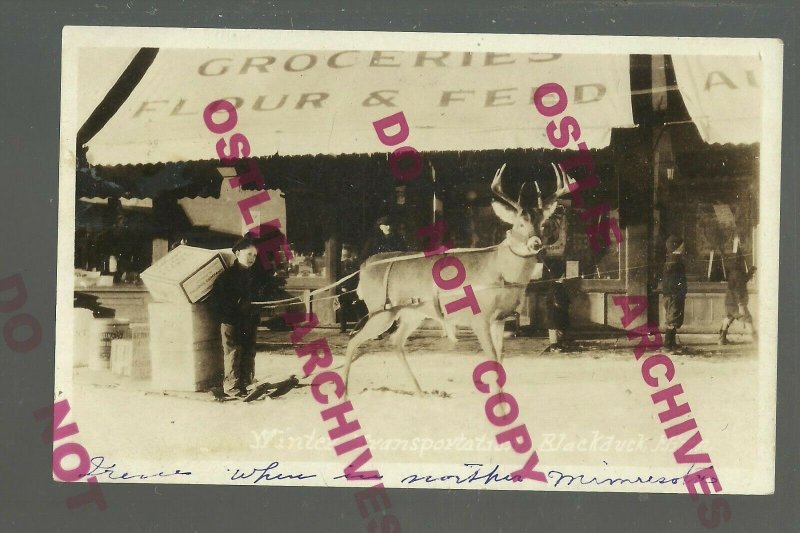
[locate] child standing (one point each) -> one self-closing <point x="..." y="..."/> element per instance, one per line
<point x="557" y="306"/>
<point x="736" y="296"/>
<point x="232" y="300"/>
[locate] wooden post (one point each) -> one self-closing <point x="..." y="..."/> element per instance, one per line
<point x="324" y="308"/>
<point x="634" y="163"/>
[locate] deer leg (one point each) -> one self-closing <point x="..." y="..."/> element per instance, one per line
<point x="448" y="330"/>
<point x="497" y="328"/>
<point x="409" y="322"/>
<point x="484" y="332"/>
<point x="377" y="324"/>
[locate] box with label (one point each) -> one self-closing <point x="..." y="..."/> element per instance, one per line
<point x="227" y="255"/>
<point x="186" y="274"/>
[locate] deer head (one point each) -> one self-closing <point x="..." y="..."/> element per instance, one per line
<point x="526" y="227"/>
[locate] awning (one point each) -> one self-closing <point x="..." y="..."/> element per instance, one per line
<point x="180" y="180"/>
<point x="102" y="68"/>
<point x="308" y="103"/>
<point x="723" y="96"/>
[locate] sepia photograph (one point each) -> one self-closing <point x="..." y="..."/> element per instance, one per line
<point x="417" y="260"/>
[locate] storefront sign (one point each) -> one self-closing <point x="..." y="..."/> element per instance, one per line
<point x="298" y="103"/>
<point x="723" y="96"/>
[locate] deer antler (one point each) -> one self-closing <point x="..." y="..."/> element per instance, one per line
<point x="563" y="182"/>
<point x="538" y="194"/>
<point x="519" y="197"/>
<point x="497" y="189"/>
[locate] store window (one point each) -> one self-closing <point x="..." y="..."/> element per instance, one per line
<point x="711" y="230"/>
<point x="113" y="238"/>
<point x="573" y="248"/>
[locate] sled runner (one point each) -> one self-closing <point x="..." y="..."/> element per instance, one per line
<point x="273" y="390"/>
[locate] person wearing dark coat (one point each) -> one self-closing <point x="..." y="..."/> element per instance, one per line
<point x="231" y="299"/>
<point x="673" y="290"/>
<point x="736" y="298"/>
<point x="385" y="239"/>
<point x="557" y="310"/>
<point x="347" y="303"/>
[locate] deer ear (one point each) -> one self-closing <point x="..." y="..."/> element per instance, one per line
<point x="504" y="213"/>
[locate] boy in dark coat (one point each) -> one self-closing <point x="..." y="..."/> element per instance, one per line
<point x="349" y="306"/>
<point x="736" y="297"/>
<point x="557" y="307"/>
<point x="673" y="290"/>
<point x="231" y="298"/>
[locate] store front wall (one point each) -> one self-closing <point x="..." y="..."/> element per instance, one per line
<point x="706" y="194"/>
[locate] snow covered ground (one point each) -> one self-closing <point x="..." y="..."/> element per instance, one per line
<point x="586" y="411"/>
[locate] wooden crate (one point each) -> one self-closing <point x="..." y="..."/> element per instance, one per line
<point x="181" y="324"/>
<point x="190" y="368"/>
<point x="186" y="274"/>
<point x="185" y="347"/>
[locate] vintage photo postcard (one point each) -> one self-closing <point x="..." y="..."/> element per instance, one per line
<point x="470" y="261"/>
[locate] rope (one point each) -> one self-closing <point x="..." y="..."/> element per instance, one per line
<point x="277" y="303"/>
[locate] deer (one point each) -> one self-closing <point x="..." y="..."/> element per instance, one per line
<point x="398" y="287"/>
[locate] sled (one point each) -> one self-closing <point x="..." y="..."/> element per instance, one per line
<point x="272" y="390"/>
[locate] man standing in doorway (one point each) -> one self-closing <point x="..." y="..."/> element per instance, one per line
<point x="736" y="298"/>
<point x="384" y="239"/>
<point x="673" y="290"/>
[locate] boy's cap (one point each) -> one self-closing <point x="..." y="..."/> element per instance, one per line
<point x="241" y="244"/>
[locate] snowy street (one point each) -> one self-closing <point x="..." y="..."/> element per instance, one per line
<point x="608" y="418"/>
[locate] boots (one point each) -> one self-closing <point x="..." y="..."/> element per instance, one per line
<point x="753" y="334"/>
<point x="723" y="331"/>
<point x="669" y="340"/>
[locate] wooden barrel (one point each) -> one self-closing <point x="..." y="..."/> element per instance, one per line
<point x="103" y="331"/>
<point x="82" y="324"/>
<point x="140" y="335"/>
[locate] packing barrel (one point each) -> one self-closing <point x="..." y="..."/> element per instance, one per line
<point x="103" y="331"/>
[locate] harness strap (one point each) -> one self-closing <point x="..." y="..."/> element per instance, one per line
<point x="390" y="261"/>
<point x="437" y="304"/>
<point x="387" y="304"/>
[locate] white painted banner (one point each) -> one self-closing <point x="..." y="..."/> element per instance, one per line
<point x="723" y="96"/>
<point x="324" y="102"/>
